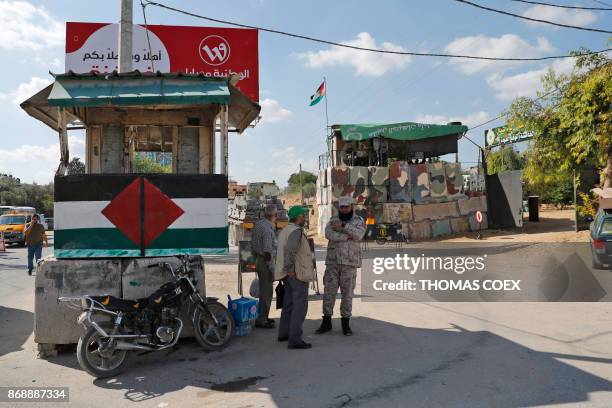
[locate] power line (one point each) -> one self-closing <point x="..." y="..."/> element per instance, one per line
<point x="563" y="6"/>
<point x="537" y="20"/>
<point x="601" y="2"/>
<point x="354" y="47"/>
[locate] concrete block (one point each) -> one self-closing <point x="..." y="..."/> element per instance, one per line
<point x="419" y="230"/>
<point x="460" y="225"/>
<point x="440" y="228"/>
<point x="474" y="225"/>
<point x="435" y="211"/>
<point x="397" y="212"/>
<point x="54" y="322"/>
<point x="472" y="204"/>
<point x="390" y="212"/>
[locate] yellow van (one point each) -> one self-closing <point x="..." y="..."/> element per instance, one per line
<point x="13" y="224"/>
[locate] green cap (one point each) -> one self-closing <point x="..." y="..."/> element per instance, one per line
<point x="296" y="211"/>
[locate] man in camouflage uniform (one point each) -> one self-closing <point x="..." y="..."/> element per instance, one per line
<point x="343" y="258"/>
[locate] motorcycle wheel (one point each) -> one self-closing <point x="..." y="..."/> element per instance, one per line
<point x="211" y="336"/>
<point x="381" y="241"/>
<point x="98" y="357"/>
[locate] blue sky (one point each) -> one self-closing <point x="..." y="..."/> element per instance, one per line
<point x="362" y="87"/>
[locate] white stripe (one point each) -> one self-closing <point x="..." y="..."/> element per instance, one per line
<point x="201" y="213"/>
<point x="198" y="213"/>
<point x="80" y="214"/>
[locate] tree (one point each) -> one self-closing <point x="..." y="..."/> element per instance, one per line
<point x="571" y="122"/>
<point x="13" y="192"/>
<point x="505" y="159"/>
<point x="76" y="166"/>
<point x="307" y="177"/>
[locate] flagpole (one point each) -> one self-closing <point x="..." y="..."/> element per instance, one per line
<point x="326" y="115"/>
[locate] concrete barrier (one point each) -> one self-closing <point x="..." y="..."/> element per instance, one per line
<point x="440" y="228"/>
<point x="419" y="230"/>
<point x="130" y="278"/>
<point x="472" y="204"/>
<point x="438" y="211"/>
<point x="459" y="225"/>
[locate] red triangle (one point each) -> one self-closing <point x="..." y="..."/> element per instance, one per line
<point x="160" y="212"/>
<point x="124" y="211"/>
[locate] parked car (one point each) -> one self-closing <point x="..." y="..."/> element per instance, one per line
<point x="49" y="224"/>
<point x="601" y="239"/>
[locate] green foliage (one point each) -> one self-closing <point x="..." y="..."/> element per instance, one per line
<point x="588" y="206"/>
<point x="505" y="159"/>
<point x="310" y="189"/>
<point x="14" y="192"/>
<point x="559" y="193"/>
<point x="76" y="166"/>
<point x="571" y="122"/>
<point x="307" y="178"/>
<point x="142" y="164"/>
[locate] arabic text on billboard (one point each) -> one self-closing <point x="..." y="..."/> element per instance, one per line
<point x="213" y="51"/>
<point x="502" y="135"/>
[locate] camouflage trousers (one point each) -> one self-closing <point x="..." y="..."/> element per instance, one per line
<point x="345" y="278"/>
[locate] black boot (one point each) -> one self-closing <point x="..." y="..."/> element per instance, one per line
<point x="325" y="325"/>
<point x="346" y="329"/>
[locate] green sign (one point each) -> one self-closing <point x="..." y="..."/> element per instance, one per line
<point x="503" y="135"/>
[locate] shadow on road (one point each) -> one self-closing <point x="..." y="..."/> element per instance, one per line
<point x="382" y="364"/>
<point x="16" y="325"/>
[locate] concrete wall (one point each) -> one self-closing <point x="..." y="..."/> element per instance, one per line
<point x="128" y="278"/>
<point x="111" y="146"/>
<point x="188" y="151"/>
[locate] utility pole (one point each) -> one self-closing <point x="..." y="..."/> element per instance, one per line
<point x="125" y="36"/>
<point x="301" y="188"/>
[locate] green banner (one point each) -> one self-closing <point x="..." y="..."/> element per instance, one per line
<point x="399" y="131"/>
<point x="504" y="135"/>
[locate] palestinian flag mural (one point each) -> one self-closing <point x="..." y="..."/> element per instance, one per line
<point x="132" y="215"/>
<point x="316" y="98"/>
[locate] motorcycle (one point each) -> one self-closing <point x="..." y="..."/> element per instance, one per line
<point x="114" y="327"/>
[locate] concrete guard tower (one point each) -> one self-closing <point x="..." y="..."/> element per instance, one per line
<point x="112" y="222"/>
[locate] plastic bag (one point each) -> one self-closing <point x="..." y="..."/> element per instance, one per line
<point x="254" y="289"/>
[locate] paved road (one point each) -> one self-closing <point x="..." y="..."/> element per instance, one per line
<point x="403" y="353"/>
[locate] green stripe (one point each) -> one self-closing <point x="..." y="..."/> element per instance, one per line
<point x="191" y="238"/>
<point x="110" y="242"/>
<point x="92" y="238"/>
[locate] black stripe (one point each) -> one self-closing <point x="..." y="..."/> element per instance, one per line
<point x="90" y="187"/>
<point x="191" y="185"/>
<point x="104" y="187"/>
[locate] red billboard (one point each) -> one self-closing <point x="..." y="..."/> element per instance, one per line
<point x="213" y="51"/>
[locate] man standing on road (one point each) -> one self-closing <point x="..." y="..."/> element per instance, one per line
<point x="343" y="258"/>
<point x="34" y="237"/>
<point x="263" y="244"/>
<point x="294" y="267"/>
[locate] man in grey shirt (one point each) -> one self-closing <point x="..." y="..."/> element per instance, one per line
<point x="263" y="244"/>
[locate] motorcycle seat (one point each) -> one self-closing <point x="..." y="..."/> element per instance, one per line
<point x="114" y="303"/>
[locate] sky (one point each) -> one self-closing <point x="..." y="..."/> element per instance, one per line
<point x="362" y="87"/>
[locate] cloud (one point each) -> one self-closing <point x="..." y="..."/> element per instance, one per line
<point x="25" y="90"/>
<point x="38" y="163"/>
<point x="272" y="112"/>
<point x="365" y="63"/>
<point x="526" y="83"/>
<point x="507" y="46"/>
<point x="559" y="15"/>
<point x="469" y="120"/>
<point x="24" y="25"/>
